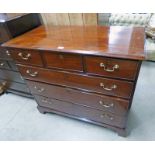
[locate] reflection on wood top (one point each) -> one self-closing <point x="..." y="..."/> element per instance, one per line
<point x="112" y="41"/>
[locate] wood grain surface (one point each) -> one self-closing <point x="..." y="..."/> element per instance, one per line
<point x="113" y="41"/>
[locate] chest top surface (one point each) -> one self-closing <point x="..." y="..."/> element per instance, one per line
<point x="111" y="41"/>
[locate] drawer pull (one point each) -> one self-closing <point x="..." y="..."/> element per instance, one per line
<point x="39" y="89"/>
<point x="21" y="78"/>
<point x="34" y="74"/>
<point x="2" y="86"/>
<point x="108" y="89"/>
<point x="61" y="56"/>
<point x="111" y="105"/>
<point x="2" y="64"/>
<point x="107" y="116"/>
<point x="8" y="53"/>
<point x="46" y="101"/>
<point x="26" y="57"/>
<point x="115" y="67"/>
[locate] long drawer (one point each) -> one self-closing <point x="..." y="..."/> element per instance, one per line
<point x="101" y="102"/>
<point x="81" y="111"/>
<point x="118" y="68"/>
<point x="80" y="81"/>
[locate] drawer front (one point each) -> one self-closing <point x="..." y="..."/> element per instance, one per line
<point x="4" y="64"/>
<point x="13" y="65"/>
<point x="81" y="111"/>
<point x="63" y="61"/>
<point x="11" y="76"/>
<point x="80" y="81"/>
<point x="118" y="68"/>
<point x="19" y="87"/>
<point x="101" y="102"/>
<point x="4" y="54"/>
<point x="16" y="86"/>
<point x="26" y="57"/>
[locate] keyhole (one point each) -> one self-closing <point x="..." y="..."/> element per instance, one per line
<point x="61" y="56"/>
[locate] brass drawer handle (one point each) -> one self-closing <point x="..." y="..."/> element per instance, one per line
<point x="2" y="64"/>
<point x="21" y="78"/>
<point x="46" y="101"/>
<point x="2" y="86"/>
<point x="108" y="89"/>
<point x="39" y="89"/>
<point x="104" y="115"/>
<point x="34" y="74"/>
<point x="111" y="105"/>
<point x="8" y="53"/>
<point x="115" y="67"/>
<point x="26" y="57"/>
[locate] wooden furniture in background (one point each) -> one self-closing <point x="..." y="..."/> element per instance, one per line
<point x="8" y="16"/>
<point x="12" y="25"/>
<point x="88" y="73"/>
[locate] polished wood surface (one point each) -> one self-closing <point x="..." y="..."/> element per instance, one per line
<point x="79" y="81"/>
<point x="115" y="105"/>
<point x="114" y="41"/>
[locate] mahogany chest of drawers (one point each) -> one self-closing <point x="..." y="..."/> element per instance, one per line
<point x="88" y="73"/>
<point x="10" y="78"/>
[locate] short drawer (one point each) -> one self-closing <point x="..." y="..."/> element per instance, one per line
<point x="115" y="68"/>
<point x="81" y="111"/>
<point x="101" y="102"/>
<point x="63" y="61"/>
<point x="80" y="81"/>
<point x="4" y="64"/>
<point x="29" y="57"/>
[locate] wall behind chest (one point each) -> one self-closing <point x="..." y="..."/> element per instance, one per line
<point x="69" y="18"/>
